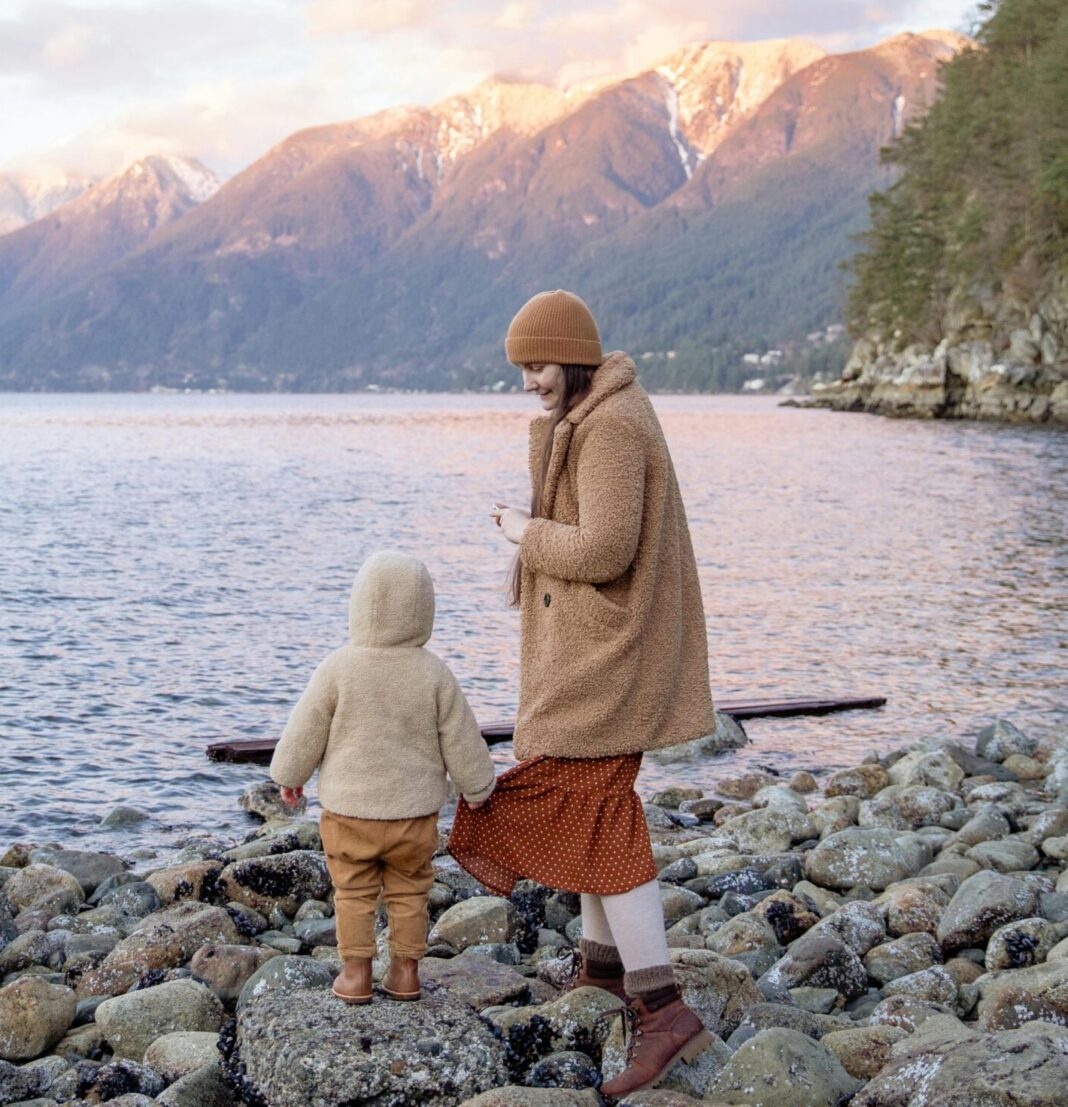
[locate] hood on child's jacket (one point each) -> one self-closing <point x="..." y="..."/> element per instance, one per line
<point x="392" y="602"/>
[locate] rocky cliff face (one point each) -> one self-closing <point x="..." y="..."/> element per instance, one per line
<point x="1000" y="358"/>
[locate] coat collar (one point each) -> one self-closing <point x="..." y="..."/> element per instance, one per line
<point x="615" y="372"/>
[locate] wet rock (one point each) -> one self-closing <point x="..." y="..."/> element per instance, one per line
<point x="863" y="1051"/>
<point x="133" y="1021"/>
<point x="476" y="920"/>
<point x="873" y="857"/>
<point x="265" y="799"/>
<point x="1019" y="944"/>
<point x="181" y="1052"/>
<point x="475" y="979"/>
<point x="982" y="904"/>
<point x="803" y="782"/>
<point x="764" y="1016"/>
<point x="1002" y="738"/>
<point x="281" y="881"/>
<point x="678" y="871"/>
<point x="40" y="887"/>
<point x="908" y="954"/>
<point x="226" y="968"/>
<point x="1024" y="1066"/>
<point x="120" y="817"/>
<point x="742" y="880"/>
<point x="863" y="781"/>
<point x="820" y="961"/>
<point x="89" y="868"/>
<point x="567" y="1069"/>
<point x="286" y="973"/>
<point x="34" y="1015"/>
<point x="18" y="1083"/>
<point x="193" y="880"/>
<point x="163" y="940"/>
<point x="436" y="1052"/>
<point x="1009" y="999"/>
<point x="788" y="1068"/>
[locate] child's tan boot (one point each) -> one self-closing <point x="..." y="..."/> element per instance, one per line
<point x="402" y="978"/>
<point x="353" y="983"/>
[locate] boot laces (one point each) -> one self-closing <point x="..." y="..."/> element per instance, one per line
<point x="572" y="968"/>
<point x="632" y="1026"/>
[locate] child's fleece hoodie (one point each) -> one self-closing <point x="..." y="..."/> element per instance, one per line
<point x="383" y="718"/>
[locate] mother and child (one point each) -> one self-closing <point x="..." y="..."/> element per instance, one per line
<point x="613" y="662"/>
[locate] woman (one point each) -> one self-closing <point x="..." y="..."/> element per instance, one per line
<point x="613" y="662"/>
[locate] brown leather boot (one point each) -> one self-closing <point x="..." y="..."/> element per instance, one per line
<point x="586" y="973"/>
<point x="660" y="1030"/>
<point x="402" y="978"/>
<point x="353" y="983"/>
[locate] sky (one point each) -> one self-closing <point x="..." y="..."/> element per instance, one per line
<point x="91" y="85"/>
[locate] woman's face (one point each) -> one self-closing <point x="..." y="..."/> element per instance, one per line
<point x="546" y="380"/>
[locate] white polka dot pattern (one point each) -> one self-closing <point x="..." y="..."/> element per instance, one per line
<point x="571" y="823"/>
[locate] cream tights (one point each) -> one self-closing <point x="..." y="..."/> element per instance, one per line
<point x="632" y="921"/>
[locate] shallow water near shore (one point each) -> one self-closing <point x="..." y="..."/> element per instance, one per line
<point x="174" y="567"/>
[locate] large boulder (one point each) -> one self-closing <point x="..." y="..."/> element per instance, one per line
<point x="783" y="1068"/>
<point x="310" y="1047"/>
<point x="1002" y="739"/>
<point x="477" y="920"/>
<point x="133" y="1021"/>
<point x="1011" y="998"/>
<point x="162" y="940"/>
<point x="819" y="961"/>
<point x="981" y="904"/>
<point x="769" y="829"/>
<point x="963" y="1069"/>
<point x="34" y="1015"/>
<point x="41" y="887"/>
<point x="874" y="857"/>
<point x="283" y="880"/>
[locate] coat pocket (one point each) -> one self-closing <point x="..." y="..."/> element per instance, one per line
<point x="593" y="608"/>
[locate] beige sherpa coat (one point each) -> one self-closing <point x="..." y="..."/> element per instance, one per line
<point x="383" y="718"/>
<point x="613" y="648"/>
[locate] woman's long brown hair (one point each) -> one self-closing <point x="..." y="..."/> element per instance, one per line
<point x="577" y="381"/>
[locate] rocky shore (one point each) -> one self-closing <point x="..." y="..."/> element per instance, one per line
<point x="892" y="935"/>
<point x="998" y="360"/>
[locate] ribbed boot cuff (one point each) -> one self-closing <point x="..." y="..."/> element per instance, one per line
<point x="648" y="980"/>
<point x="600" y="952"/>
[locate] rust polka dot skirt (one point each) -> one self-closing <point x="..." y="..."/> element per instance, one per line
<point x="571" y="823"/>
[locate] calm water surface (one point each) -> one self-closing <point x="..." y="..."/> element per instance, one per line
<point x="172" y="568"/>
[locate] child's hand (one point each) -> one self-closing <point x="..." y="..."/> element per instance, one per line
<point x="291" y="796"/>
<point x="475" y="806"/>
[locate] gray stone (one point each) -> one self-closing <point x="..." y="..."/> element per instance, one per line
<point x="513" y="1095"/>
<point x="1021" y="943"/>
<point x="121" y="816"/>
<point x="903" y="956"/>
<point x="934" y="984"/>
<point x="856" y="923"/>
<point x="906" y="807"/>
<point x="20" y="1082"/>
<point x="286" y="973"/>
<point x="43" y="887"/>
<point x="982" y="904"/>
<point x="89" y="868"/>
<point x="782" y="1068"/>
<point x="907" y="1012"/>
<point x="475" y="979"/>
<point x="205" y="1087"/>
<point x="437" y="1052"/>
<point x="283" y="880"/>
<point x="1001" y="738"/>
<point x="34" y="1015"/>
<point x="874" y="857"/>
<point x="1004" y="856"/>
<point x="819" y="961"/>
<point x="769" y="829"/>
<point x="477" y="920"/>
<point x="226" y="968"/>
<point x="181" y="1052"/>
<point x="1009" y="999"/>
<point x="1025" y="1066"/>
<point x="133" y="1021"/>
<point x="863" y="1051"/>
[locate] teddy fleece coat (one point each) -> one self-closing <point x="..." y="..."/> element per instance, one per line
<point x="613" y="646"/>
<point x="383" y="718"/>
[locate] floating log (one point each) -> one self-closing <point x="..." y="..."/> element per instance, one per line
<point x="258" y="751"/>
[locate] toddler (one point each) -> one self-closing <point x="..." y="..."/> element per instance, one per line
<point x="384" y="720"/>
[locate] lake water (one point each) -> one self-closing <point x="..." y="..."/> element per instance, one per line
<point x="173" y="567"/>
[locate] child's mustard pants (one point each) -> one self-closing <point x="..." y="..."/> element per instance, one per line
<point x="391" y="857"/>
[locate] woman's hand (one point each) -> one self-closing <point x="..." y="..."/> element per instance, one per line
<point x="291" y="796"/>
<point x="512" y="520"/>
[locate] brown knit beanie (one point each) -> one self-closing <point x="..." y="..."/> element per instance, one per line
<point x="554" y="328"/>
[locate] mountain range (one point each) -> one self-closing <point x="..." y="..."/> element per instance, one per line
<point x="702" y="207"/>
